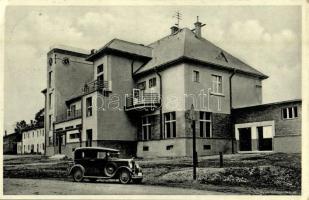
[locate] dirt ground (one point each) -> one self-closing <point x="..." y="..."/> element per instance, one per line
<point x="241" y="174"/>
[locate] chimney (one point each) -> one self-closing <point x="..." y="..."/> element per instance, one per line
<point x="93" y="51"/>
<point x="198" y="28"/>
<point x="174" y="29"/>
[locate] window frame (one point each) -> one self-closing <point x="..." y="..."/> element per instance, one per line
<point x="204" y="120"/>
<point x="148" y="124"/>
<point x="171" y="122"/>
<point x="217" y="81"/>
<point x="294" y="111"/>
<point x="152" y="82"/>
<point x="89" y="107"/>
<point x="196" y="76"/>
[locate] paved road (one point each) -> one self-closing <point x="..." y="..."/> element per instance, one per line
<point x="57" y="187"/>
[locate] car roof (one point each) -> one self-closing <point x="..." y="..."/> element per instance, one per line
<point x="97" y="149"/>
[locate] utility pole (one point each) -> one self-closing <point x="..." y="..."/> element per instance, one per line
<point x="195" y="161"/>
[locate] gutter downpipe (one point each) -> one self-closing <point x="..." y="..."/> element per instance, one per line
<point x="231" y="101"/>
<point x="161" y="123"/>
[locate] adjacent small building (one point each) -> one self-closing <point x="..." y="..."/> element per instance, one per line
<point x="269" y="127"/>
<point x="33" y="140"/>
<point x="10" y="142"/>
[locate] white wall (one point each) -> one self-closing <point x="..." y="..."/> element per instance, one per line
<point x="35" y="137"/>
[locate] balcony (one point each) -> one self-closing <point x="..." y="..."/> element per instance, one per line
<point x="70" y="115"/>
<point x="97" y="85"/>
<point x="142" y="102"/>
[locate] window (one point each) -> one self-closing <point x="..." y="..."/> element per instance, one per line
<point x="152" y="82"/>
<point x="24" y="135"/>
<point x="89" y="106"/>
<point x="169" y="147"/>
<point x="32" y="133"/>
<point x="72" y="110"/>
<point x="100" y="74"/>
<point x="141" y="85"/>
<point x="50" y="100"/>
<point x="63" y="140"/>
<point x="74" y="136"/>
<point x="101" y="155"/>
<point x="78" y="126"/>
<point x="69" y="127"/>
<point x="289" y="112"/>
<point x="43" y="146"/>
<point x="50" y="122"/>
<point x="170" y="124"/>
<point x="217" y="84"/>
<point x="50" y="140"/>
<point x="50" y="74"/>
<point x="145" y="148"/>
<point x="43" y="132"/>
<point x="205" y="124"/>
<point x="100" y="69"/>
<point x="196" y="76"/>
<point x="146" y="127"/>
<point x="207" y="147"/>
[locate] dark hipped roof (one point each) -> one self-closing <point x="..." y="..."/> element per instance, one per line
<point x="184" y="44"/>
<point x="123" y="47"/>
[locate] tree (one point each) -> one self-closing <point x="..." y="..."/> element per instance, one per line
<point x="20" y="126"/>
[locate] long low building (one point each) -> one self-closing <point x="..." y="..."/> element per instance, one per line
<point x="33" y="140"/>
<point x="269" y="127"/>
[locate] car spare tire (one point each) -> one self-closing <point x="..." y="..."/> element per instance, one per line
<point x="110" y="169"/>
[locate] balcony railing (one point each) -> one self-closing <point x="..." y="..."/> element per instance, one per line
<point x="70" y="115"/>
<point x="95" y="85"/>
<point x="143" y="101"/>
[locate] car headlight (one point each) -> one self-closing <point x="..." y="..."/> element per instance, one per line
<point x="130" y="165"/>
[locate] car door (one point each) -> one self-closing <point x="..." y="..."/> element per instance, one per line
<point x="89" y="162"/>
<point x="100" y="163"/>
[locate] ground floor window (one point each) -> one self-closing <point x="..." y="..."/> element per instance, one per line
<point x="170" y="124"/>
<point x="205" y="124"/>
<point x="147" y="123"/>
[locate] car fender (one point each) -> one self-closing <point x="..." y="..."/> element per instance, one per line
<point x="123" y="167"/>
<point x="75" y="167"/>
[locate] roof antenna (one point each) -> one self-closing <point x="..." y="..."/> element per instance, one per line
<point x="178" y="17"/>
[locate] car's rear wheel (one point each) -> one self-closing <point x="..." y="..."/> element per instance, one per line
<point x="124" y="177"/>
<point x="78" y="175"/>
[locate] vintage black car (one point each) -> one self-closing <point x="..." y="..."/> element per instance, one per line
<point x="94" y="163"/>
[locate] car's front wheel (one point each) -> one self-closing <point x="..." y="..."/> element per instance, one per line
<point x="78" y="175"/>
<point x="124" y="177"/>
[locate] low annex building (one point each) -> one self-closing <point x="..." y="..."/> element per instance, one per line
<point x="137" y="98"/>
<point x="33" y="140"/>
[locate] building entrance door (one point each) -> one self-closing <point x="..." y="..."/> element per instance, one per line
<point x="89" y="138"/>
<point x="245" y="139"/>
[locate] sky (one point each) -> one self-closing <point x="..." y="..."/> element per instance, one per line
<point x="266" y="37"/>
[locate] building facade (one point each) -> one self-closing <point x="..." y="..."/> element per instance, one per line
<point x="33" y="140"/>
<point x="138" y="98"/>
<point x="269" y="127"/>
<point x="10" y="143"/>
